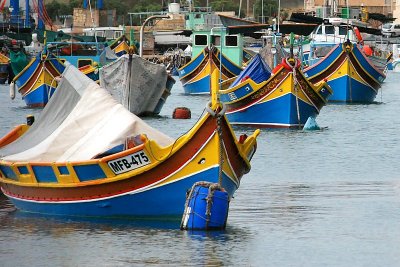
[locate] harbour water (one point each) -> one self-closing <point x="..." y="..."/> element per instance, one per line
<point x="316" y="198"/>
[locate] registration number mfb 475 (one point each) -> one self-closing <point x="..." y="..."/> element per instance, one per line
<point x="129" y="162"/>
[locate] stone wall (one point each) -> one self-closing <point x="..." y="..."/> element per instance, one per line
<point x="82" y="18"/>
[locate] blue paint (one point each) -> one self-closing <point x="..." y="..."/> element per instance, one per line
<point x="197" y="217"/>
<point x="63" y="170"/>
<point x="281" y="111"/>
<point x="345" y="90"/>
<point x="8" y="172"/>
<point x="40" y="96"/>
<point x="23" y="170"/>
<point x="44" y="174"/>
<point x="325" y="63"/>
<point x="201" y="86"/>
<point x="162" y="201"/>
<point x="242" y="91"/>
<point x="89" y="172"/>
<point x="191" y="66"/>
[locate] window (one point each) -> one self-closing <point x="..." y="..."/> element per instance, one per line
<point x="216" y="40"/>
<point x="329" y="30"/>
<point x="84" y="62"/>
<point x="200" y="40"/>
<point x="319" y="30"/>
<point x="397" y="26"/>
<point x="387" y="26"/>
<point x="108" y="34"/>
<point x="342" y="31"/>
<point x="231" y="40"/>
<point x="117" y="34"/>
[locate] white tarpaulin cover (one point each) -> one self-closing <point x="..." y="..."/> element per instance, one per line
<point x="137" y="84"/>
<point x="80" y="121"/>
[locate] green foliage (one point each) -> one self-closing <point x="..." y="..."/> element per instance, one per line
<point x="225" y="5"/>
<point x="270" y="9"/>
<point x="57" y="8"/>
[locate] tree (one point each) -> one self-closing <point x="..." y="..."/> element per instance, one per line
<point x="56" y="9"/>
<point x="270" y="9"/>
<point x="224" y="5"/>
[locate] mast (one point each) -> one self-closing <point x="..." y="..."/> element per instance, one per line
<point x="27" y="17"/>
<point x="14" y="8"/>
<point x="40" y="15"/>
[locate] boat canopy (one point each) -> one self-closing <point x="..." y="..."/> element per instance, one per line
<point x="130" y="79"/>
<point x="257" y="70"/>
<point x="80" y="121"/>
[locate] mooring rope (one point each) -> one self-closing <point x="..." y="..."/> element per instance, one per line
<point x="218" y="115"/>
<point x="296" y="84"/>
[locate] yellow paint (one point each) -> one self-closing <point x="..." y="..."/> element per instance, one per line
<point x="123" y="46"/>
<point x="4" y="59"/>
<point x="44" y="78"/>
<point x="346" y="69"/>
<point x="207" y="157"/>
<point x="190" y="62"/>
<point x="287" y="87"/>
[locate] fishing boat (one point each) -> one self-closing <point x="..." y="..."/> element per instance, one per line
<point x="281" y="98"/>
<point x="349" y="72"/>
<point x="4" y="68"/>
<point x="121" y="45"/>
<point x="82" y="54"/>
<point x="37" y="81"/>
<point x="87" y="155"/>
<point x="130" y="79"/>
<point x="196" y="75"/>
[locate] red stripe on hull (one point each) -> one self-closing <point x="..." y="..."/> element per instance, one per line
<point x="152" y="176"/>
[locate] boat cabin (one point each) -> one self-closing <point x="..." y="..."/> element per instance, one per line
<point x="329" y="33"/>
<point x="230" y="45"/>
<point x="110" y="33"/>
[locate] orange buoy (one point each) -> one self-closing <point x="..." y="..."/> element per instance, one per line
<point x="358" y="35"/>
<point x="181" y="113"/>
<point x="368" y="50"/>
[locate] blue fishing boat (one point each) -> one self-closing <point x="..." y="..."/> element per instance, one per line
<point x="211" y="49"/>
<point x="4" y="68"/>
<point x="350" y="73"/>
<point x="196" y="75"/>
<point x="114" y="164"/>
<point x="38" y="80"/>
<point x="282" y="98"/>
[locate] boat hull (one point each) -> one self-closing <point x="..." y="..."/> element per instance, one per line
<point x="3" y="72"/>
<point x="351" y="90"/>
<point x="285" y="100"/>
<point x="36" y="83"/>
<point x="196" y="75"/>
<point x="351" y="75"/>
<point x="275" y="113"/>
<point x="168" y="200"/>
<point x="116" y="185"/>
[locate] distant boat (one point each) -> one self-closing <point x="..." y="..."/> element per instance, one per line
<point x="4" y="68"/>
<point x="349" y="72"/>
<point x="95" y="158"/>
<point x="140" y="85"/>
<point x="37" y="81"/>
<point x="121" y="46"/>
<point x="283" y="99"/>
<point x="196" y="75"/>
